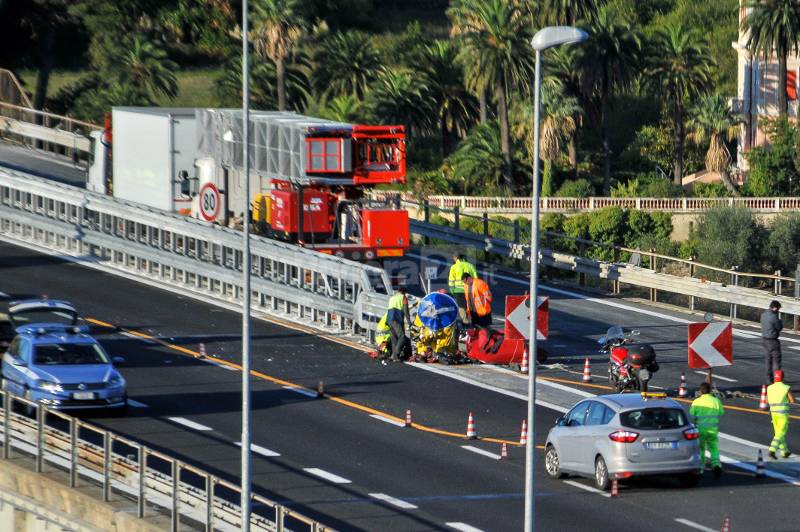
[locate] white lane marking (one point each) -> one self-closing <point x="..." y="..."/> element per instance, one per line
<point x="720" y="377"/>
<point x="736" y="439"/>
<point x="131" y="335"/>
<point x="564" y="387"/>
<point x="336" y="479"/>
<point x="189" y="423"/>
<point x="301" y="391"/>
<point x="587" y="488"/>
<point x="4" y="295"/>
<point x="481" y="451"/>
<point x="692" y="524"/>
<point x="219" y="365"/>
<point x="795" y="347"/>
<point x="136" y="404"/>
<point x="767" y="472"/>
<point x="463" y="527"/>
<point x="387" y="420"/>
<point x="394" y="501"/>
<point x="515" y="395"/>
<point x="263" y="451"/>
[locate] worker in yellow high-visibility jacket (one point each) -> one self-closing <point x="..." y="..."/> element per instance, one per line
<point x="456" y="284"/>
<point x="706" y="412"/>
<point x="779" y="396"/>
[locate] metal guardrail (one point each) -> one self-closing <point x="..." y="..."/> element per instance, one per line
<point x="522" y="205"/>
<point x="178" y="253"/>
<point x="11" y="90"/>
<point x="155" y="480"/>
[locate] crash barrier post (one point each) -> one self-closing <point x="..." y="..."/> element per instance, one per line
<point x="197" y="258"/>
<point x="123" y="467"/>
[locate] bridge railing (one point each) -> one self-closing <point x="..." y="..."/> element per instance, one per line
<point x="192" y="257"/>
<point x="121" y="467"/>
<point x="522" y="205"/>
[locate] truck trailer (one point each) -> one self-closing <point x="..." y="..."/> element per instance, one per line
<point x="307" y="175"/>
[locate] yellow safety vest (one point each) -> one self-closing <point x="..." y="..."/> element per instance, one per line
<point x="706" y="412"/>
<point x="396" y="302"/>
<point x="457" y="271"/>
<point x="382" y="330"/>
<point x="778" y="398"/>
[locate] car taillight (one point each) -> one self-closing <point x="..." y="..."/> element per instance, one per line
<point x="691" y="434"/>
<point x="624" y="436"/>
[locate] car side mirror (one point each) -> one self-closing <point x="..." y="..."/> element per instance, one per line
<point x="561" y="421"/>
<point x="17" y="361"/>
<point x="118" y="361"/>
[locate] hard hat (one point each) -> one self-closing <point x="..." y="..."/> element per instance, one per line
<point x="778" y="375"/>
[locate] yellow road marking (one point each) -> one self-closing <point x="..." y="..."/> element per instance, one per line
<point x="330" y="397"/>
<point x="682" y="400"/>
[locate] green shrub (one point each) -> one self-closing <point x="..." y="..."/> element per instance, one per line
<point x="710" y="190"/>
<point x="782" y="248"/>
<point x="730" y="236"/>
<point x="575" y="188"/>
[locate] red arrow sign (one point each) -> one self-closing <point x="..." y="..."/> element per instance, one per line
<point x="518" y="315"/>
<point x="710" y="344"/>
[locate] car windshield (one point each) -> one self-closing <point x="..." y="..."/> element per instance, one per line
<point x="43" y="315"/>
<point x="68" y="354"/>
<point x="654" y="418"/>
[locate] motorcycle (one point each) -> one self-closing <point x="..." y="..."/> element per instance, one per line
<point x="630" y="366"/>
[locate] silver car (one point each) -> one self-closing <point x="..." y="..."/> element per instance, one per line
<point x="622" y="435"/>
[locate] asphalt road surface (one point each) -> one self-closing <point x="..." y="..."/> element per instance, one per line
<point x="331" y="458"/>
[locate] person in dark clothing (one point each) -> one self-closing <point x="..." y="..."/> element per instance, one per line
<point x="771" y="326"/>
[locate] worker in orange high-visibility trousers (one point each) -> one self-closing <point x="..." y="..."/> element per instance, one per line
<point x="779" y="396"/>
<point x="478" y="298"/>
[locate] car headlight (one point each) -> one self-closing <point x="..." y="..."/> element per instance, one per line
<point x="48" y="386"/>
<point x="115" y="381"/>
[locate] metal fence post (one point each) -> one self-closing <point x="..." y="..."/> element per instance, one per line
<point x="486" y="234"/>
<point x="140" y="500"/>
<point x="106" y="466"/>
<point x="209" y="503"/>
<point x="280" y="517"/>
<point x="778" y="287"/>
<point x="456" y="220"/>
<point x="174" y="514"/>
<point x="7" y="401"/>
<point x="39" y="437"/>
<point x="734" y="282"/>
<point x="796" y="293"/>
<point x="426" y="213"/>
<point x="73" y="452"/>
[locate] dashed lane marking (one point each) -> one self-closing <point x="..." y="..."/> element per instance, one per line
<point x="263" y="451"/>
<point x="301" y="391"/>
<point x="394" y="501"/>
<point x="189" y="423"/>
<point x="481" y="451"/>
<point x="692" y="524"/>
<point x="4" y="295"/>
<point x="321" y="473"/>
<point x="794" y="481"/>
<point x="135" y="337"/>
<point x="136" y="404"/>
<point x="587" y="488"/>
<point x="720" y="377"/>
<point x="388" y="420"/>
<point x="463" y="527"/>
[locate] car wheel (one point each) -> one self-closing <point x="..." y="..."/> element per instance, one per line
<point x="601" y="479"/>
<point x="551" y="463"/>
<point x="689" y="480"/>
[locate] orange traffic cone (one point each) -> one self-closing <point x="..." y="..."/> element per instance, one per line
<point x="523" y="368"/>
<point x="471" y="434"/>
<point x="614" y="487"/>
<point x="682" y="388"/>
<point x="320" y="389"/>
<point x="503" y="452"/>
<point x="762" y="403"/>
<point x="726" y="524"/>
<point x="760" y="465"/>
<point x="408" y="418"/>
<point x="523" y="435"/>
<point x="587" y="372"/>
<point x="203" y="350"/>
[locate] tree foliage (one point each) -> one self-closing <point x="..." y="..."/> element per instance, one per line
<point x="728" y="237"/>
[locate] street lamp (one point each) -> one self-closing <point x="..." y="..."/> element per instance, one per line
<point x="246" y="483"/>
<point x="544" y="39"/>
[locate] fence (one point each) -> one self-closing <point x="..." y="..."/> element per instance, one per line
<point x="192" y="257"/>
<point x="522" y="205"/>
<point x="156" y="481"/>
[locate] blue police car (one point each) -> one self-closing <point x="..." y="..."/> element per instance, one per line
<point x="62" y="367"/>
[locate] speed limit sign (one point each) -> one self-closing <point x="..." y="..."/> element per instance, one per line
<point x="208" y="201"/>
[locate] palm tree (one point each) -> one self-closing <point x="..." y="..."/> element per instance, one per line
<point x="346" y="63"/>
<point x="560" y="117"/>
<point x="568" y="12"/>
<point x="146" y="67"/>
<point x="494" y="37"/>
<point x="714" y="121"/>
<point x="680" y="69"/>
<point x="475" y="79"/>
<point x="263" y="80"/>
<point x="455" y="106"/>
<point x="561" y="64"/>
<point x="609" y="63"/>
<point x="402" y="97"/>
<point x="277" y="28"/>
<point x="478" y="161"/>
<point x="774" y="27"/>
<point x="345" y="108"/>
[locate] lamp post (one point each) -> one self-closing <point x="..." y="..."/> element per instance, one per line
<point x="544" y="39"/>
<point x="246" y="483"/>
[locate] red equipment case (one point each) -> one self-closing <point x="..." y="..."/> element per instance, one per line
<point x="318" y="211"/>
<point x="384" y="229"/>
